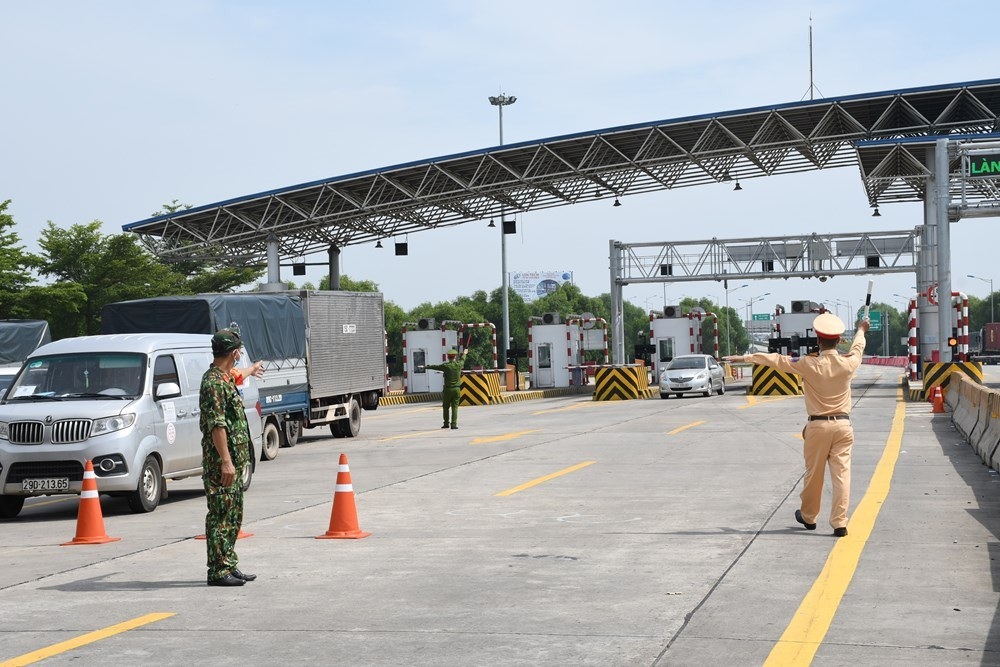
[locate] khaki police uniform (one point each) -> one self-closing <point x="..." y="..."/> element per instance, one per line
<point x="828" y="435"/>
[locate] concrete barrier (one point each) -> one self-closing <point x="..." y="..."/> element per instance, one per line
<point x="966" y="412"/>
<point x="976" y="416"/>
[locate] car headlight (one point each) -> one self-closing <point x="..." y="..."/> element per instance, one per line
<point x="112" y="424"/>
<point x="4" y="433"/>
<point x="701" y="376"/>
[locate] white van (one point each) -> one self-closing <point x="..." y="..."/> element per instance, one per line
<point x="126" y="402"/>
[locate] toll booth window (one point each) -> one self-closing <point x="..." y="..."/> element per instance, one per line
<point x="165" y="370"/>
<point x="419" y="361"/>
<point x="544" y="356"/>
<point x="666" y="349"/>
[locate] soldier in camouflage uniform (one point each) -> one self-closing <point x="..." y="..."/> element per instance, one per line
<point x="225" y="446"/>
<point x="452" y="370"/>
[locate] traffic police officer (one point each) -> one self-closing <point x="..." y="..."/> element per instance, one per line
<point x="225" y="454"/>
<point x="452" y="370"/>
<point x="828" y="435"/>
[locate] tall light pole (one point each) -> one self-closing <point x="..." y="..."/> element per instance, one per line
<point x="729" y="327"/>
<point x="500" y="101"/>
<point x="990" y="281"/>
<point x="750" y="303"/>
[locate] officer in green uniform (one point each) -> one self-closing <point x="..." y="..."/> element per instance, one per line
<point x="452" y="370"/>
<point x="225" y="441"/>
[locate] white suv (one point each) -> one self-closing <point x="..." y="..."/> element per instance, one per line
<point x="126" y="402"/>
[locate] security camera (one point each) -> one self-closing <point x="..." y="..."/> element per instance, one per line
<point x="823" y="279"/>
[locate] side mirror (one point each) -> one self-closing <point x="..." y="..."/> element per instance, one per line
<point x="168" y="390"/>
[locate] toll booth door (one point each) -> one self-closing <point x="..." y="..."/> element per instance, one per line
<point x="544" y="375"/>
<point x="419" y="382"/>
<point x="664" y="353"/>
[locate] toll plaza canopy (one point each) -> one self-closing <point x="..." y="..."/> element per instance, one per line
<point x="884" y="134"/>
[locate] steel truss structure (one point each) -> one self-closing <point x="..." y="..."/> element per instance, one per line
<point x="814" y="255"/>
<point x="884" y="134"/>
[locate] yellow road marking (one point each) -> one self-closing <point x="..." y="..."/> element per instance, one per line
<point x="685" y="427"/>
<point x="407" y="435"/>
<point x="83" y="640"/>
<point x="499" y="438"/>
<point x="754" y="400"/>
<point x="535" y="482"/>
<point x="808" y="627"/>
<point x="573" y="406"/>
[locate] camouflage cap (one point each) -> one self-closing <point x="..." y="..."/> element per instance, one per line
<point x="225" y="340"/>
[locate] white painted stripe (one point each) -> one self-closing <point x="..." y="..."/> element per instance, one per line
<point x="343" y="467"/>
<point x="344" y="488"/>
<point x="89" y="474"/>
<point x="89" y="494"/>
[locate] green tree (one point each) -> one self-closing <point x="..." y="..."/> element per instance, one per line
<point x="15" y="268"/>
<point x="105" y="268"/>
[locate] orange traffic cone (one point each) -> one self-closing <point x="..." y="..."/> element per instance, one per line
<point x="89" y="521"/>
<point x="938" y="400"/>
<point x="344" y="516"/>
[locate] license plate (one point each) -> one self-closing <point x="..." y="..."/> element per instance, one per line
<point x="45" y="484"/>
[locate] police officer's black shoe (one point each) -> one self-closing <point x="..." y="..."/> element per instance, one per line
<point x="454" y="427"/>
<point x="840" y="532"/>
<point x="445" y="426"/>
<point x="228" y="580"/>
<point x="242" y="575"/>
<point x="809" y="526"/>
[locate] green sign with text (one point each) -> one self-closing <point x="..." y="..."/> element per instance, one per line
<point x="762" y="316"/>
<point x="984" y="165"/>
<point x="874" y="317"/>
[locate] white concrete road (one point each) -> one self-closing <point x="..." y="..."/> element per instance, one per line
<point x="552" y="532"/>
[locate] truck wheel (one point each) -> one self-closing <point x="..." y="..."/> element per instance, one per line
<point x="272" y="441"/>
<point x="10" y="506"/>
<point x="337" y="428"/>
<point x="146" y="496"/>
<point x="352" y="425"/>
<point x="249" y="470"/>
<point x="292" y="431"/>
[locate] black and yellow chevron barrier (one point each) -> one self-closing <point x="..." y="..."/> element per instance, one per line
<point x="406" y="399"/>
<point x="480" y="389"/>
<point x="938" y="374"/>
<point x="772" y="382"/>
<point x="620" y="383"/>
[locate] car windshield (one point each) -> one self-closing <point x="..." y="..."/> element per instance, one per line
<point x="686" y="363"/>
<point x="105" y="375"/>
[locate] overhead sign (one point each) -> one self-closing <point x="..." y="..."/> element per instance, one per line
<point x="874" y="318"/>
<point x="762" y="316"/>
<point x="530" y="285"/>
<point x="984" y="165"/>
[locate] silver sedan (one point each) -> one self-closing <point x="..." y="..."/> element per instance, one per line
<point x="692" y="373"/>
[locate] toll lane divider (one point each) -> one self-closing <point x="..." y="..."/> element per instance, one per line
<point x="938" y="374"/>
<point x="772" y="382"/>
<point x="976" y="415"/>
<point x="621" y="383"/>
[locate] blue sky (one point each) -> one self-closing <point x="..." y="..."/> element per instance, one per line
<point x="114" y="108"/>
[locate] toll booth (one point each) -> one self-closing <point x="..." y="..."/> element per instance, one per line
<point x="793" y="333"/>
<point x="554" y="347"/>
<point x="671" y="334"/>
<point x="425" y="343"/>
